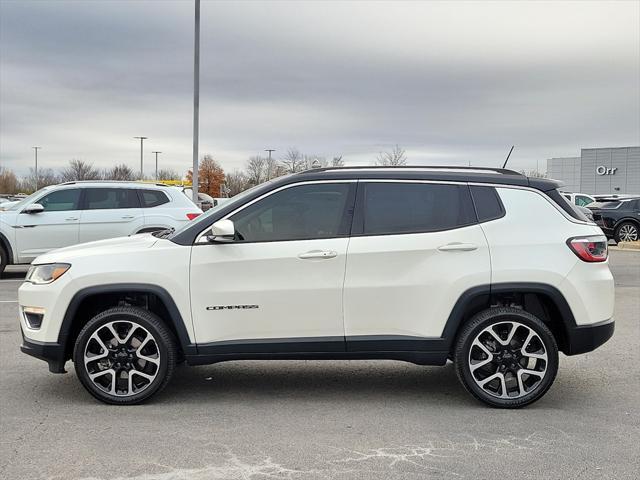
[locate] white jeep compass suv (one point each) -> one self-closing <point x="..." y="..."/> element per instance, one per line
<point x="487" y="268"/>
<point x="79" y="212"/>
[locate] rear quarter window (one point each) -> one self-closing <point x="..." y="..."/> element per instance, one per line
<point x="566" y="205"/>
<point x="152" y="198"/>
<point x="487" y="202"/>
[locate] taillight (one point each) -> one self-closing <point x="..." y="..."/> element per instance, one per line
<point x="191" y="216"/>
<point x="589" y="249"/>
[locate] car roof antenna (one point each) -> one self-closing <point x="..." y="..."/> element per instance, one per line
<point x="507" y="159"/>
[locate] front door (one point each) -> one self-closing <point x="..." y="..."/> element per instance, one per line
<point x="278" y="287"/>
<point x="55" y="227"/>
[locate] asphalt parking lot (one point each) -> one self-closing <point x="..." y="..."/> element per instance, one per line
<point x="338" y="420"/>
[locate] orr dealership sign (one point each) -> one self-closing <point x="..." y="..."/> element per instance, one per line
<point x="602" y="170"/>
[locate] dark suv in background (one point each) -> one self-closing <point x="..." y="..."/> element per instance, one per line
<point x="619" y="218"/>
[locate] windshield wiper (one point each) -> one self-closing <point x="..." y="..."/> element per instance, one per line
<point x="164" y="233"/>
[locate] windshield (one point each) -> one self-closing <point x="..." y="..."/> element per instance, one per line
<point x="203" y="218"/>
<point x="26" y="200"/>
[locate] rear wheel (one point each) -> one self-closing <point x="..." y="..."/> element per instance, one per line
<point x="627" y="232"/>
<point x="506" y="357"/>
<point x="124" y="355"/>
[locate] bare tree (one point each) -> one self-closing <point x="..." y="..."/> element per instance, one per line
<point x="119" y="172"/>
<point x="393" y="158"/>
<point x="534" y="173"/>
<point x="8" y="181"/>
<point x="46" y="177"/>
<point x="236" y="182"/>
<point x="168" y="174"/>
<point x="256" y="170"/>
<point x="337" y="161"/>
<point x="79" y="170"/>
<point x="293" y="161"/>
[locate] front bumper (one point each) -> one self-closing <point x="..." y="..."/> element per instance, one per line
<point x="586" y="338"/>
<point x="52" y="353"/>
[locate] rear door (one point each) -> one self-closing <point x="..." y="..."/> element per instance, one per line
<point x="415" y="248"/>
<point x="110" y="212"/>
<point x="55" y="227"/>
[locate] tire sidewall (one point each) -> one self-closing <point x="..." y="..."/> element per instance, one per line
<point x="462" y="355"/>
<point x="617" y="235"/>
<point x="144" y="319"/>
<point x="4" y="260"/>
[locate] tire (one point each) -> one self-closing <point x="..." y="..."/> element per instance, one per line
<point x="505" y="333"/>
<point x="141" y="360"/>
<point x="4" y="259"/>
<point x="627" y="232"/>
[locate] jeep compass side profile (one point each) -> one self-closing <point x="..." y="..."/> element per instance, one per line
<point x="487" y="268"/>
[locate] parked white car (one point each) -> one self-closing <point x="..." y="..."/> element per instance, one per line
<point x="488" y="268"/>
<point x="77" y="212"/>
<point x="579" y="199"/>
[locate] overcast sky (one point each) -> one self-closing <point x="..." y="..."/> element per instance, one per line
<point x="451" y="82"/>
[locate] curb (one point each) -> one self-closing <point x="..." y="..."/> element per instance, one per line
<point x="628" y="246"/>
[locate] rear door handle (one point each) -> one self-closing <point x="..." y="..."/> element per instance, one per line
<point x="458" y="247"/>
<point x="70" y="219"/>
<point x="318" y="254"/>
<point x="127" y="217"/>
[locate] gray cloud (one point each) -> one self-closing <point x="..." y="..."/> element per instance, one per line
<point x="452" y="82"/>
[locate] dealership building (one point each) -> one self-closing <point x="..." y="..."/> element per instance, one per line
<point x="599" y="171"/>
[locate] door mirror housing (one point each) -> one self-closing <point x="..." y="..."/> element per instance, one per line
<point x="33" y="208"/>
<point x="222" y="231"/>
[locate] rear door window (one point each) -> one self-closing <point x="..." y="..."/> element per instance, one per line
<point x="403" y="207"/>
<point x="110" y="198"/>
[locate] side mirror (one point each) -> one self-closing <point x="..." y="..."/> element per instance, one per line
<point x="222" y="231"/>
<point x="33" y="208"/>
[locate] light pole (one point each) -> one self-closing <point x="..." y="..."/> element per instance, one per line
<point x="196" y="101"/>
<point x="156" y="164"/>
<point x="36" y="151"/>
<point x="269" y="150"/>
<point x="142" y="139"/>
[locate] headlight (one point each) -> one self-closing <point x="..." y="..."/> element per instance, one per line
<point x="41" y="274"/>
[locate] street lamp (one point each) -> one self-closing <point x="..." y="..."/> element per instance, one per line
<point x="196" y="100"/>
<point x="269" y="150"/>
<point x="142" y="139"/>
<point x="156" y="164"/>
<point x="36" y="151"/>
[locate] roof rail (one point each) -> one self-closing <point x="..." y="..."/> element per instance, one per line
<point x="158" y="183"/>
<point x="503" y="171"/>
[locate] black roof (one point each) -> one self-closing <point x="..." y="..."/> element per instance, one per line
<point x="499" y="176"/>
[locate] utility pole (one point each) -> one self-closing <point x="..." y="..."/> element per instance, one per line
<point x="36" y="150"/>
<point x="156" y="164"/>
<point x="196" y="101"/>
<point x="269" y="150"/>
<point x="142" y="139"/>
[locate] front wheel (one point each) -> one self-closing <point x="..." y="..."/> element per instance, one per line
<point x="124" y="355"/>
<point x="506" y="357"/>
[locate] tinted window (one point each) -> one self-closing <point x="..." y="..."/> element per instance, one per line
<point x="487" y="202"/>
<point x="109" y="198"/>
<point x="583" y="201"/>
<point x="152" y="198"/>
<point x="415" y="207"/>
<point x="61" y="200"/>
<point x="566" y="205"/>
<point x="296" y="213"/>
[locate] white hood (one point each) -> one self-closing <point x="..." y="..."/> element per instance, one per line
<point x="111" y="246"/>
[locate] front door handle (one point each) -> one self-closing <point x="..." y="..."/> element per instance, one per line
<point x="71" y="219"/>
<point x="458" y="247"/>
<point x="318" y="254"/>
<point x="127" y="217"/>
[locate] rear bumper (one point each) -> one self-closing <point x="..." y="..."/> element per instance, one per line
<point x="585" y="338"/>
<point x="52" y="353"/>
